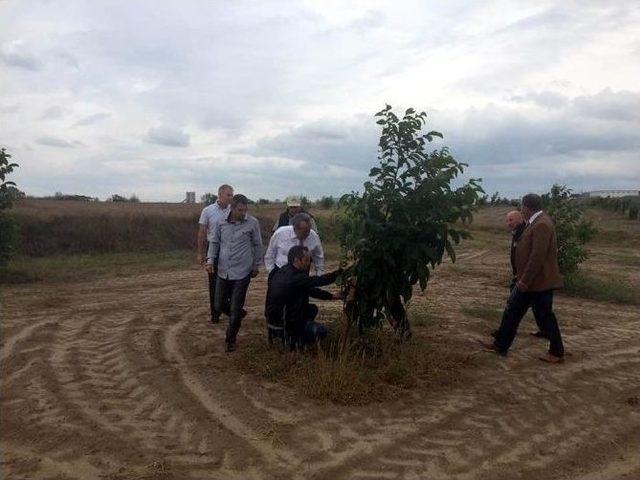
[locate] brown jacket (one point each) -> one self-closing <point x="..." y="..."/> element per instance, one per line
<point x="537" y="256"/>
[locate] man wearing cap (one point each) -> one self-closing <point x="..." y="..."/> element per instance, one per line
<point x="299" y="233"/>
<point x="294" y="206"/>
<point x="210" y="215"/>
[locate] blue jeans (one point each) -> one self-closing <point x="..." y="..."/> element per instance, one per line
<point x="230" y="297"/>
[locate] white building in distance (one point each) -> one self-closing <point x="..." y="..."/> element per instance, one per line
<point x="614" y="193"/>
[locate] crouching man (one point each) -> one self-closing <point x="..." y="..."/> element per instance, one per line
<point x="288" y="311"/>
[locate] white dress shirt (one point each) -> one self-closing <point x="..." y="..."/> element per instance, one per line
<point x="281" y="242"/>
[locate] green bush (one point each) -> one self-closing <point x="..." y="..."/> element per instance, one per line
<point x="573" y="231"/>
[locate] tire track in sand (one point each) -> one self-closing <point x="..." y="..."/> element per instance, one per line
<point x="277" y="456"/>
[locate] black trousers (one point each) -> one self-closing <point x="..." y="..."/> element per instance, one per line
<point x="230" y="297"/>
<point x="517" y="305"/>
<point x="534" y="308"/>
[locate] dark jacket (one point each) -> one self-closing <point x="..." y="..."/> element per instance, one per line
<point x="286" y="218"/>
<point x="537" y="256"/>
<point x="288" y="295"/>
<point x="515" y="236"/>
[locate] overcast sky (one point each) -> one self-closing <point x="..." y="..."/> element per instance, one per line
<point x="160" y="97"/>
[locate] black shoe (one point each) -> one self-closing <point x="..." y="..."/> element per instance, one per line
<point x="230" y="347"/>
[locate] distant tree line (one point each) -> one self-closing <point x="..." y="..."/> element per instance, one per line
<point x="629" y="206"/>
<point x="495" y="200"/>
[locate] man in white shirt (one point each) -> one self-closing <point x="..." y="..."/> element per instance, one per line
<point x="208" y="219"/>
<point x="299" y="233"/>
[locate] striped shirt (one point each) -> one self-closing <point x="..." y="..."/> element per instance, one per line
<point x="237" y="247"/>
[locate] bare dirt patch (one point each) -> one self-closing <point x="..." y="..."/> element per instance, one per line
<point x="126" y="378"/>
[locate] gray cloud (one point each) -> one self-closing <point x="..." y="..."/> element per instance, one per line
<point x="610" y="105"/>
<point x="21" y="60"/>
<point x="497" y="136"/>
<point x="67" y="59"/>
<point x="5" y="109"/>
<point x="53" y="112"/>
<point x="607" y="104"/>
<point x="324" y="142"/>
<point x="91" y="119"/>
<point x="168" y="136"/>
<point x="547" y="99"/>
<point x="54" y="142"/>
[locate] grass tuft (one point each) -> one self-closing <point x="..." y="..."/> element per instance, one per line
<point x="374" y="367"/>
<point x="602" y="288"/>
<point x="485" y="312"/>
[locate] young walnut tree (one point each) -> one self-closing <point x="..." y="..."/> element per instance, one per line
<point x="404" y="221"/>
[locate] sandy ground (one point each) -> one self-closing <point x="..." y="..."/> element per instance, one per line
<point x="125" y="378"/>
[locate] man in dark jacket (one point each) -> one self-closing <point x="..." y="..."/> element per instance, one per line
<point x="538" y="274"/>
<point x="294" y="207"/>
<point x="288" y="311"/>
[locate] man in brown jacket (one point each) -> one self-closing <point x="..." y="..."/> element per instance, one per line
<point x="516" y="224"/>
<point x="537" y="273"/>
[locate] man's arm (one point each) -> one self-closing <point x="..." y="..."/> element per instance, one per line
<point x="203" y="222"/>
<point x="270" y="254"/>
<point x="320" y="294"/>
<point x="256" y="241"/>
<point x="214" y="247"/>
<point x="317" y="255"/>
<point x="202" y="237"/>
<point x="541" y="233"/>
<point x="304" y="281"/>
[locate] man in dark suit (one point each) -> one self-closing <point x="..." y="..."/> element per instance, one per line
<point x="516" y="225"/>
<point x="538" y="274"/>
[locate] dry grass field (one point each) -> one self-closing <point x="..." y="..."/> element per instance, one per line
<point x="116" y="373"/>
